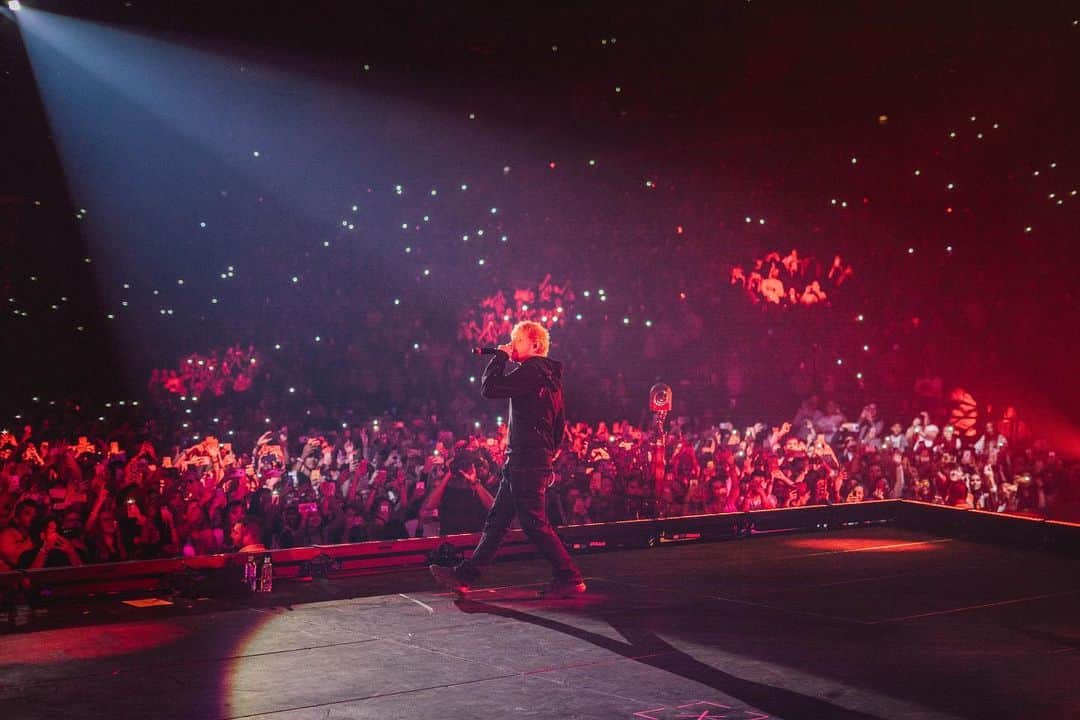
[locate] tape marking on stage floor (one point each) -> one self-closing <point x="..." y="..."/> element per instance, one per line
<point x="431" y="610"/>
<point x="975" y="607"/>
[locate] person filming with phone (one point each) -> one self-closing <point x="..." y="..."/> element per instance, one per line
<point x="461" y="499"/>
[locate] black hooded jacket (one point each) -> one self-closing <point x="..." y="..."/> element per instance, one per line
<point x="536" y="407"/>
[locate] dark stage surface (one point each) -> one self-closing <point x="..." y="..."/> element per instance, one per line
<point x="866" y="623"/>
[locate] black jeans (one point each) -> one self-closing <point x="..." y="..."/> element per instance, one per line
<point x="521" y="492"/>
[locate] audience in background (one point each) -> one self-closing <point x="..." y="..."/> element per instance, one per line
<point x="101" y="500"/>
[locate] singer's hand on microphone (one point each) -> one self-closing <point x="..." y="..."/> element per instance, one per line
<point x="506" y="348"/>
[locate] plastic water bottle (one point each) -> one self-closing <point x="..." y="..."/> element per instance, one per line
<point x="19" y="615"/>
<point x="266" y="577"/>
<point x="251" y="573"/>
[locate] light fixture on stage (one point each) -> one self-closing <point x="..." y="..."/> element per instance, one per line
<point x="14" y="5"/>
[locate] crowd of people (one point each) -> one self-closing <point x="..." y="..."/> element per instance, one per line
<point x="218" y="373"/>
<point x="98" y="500"/>
<point x="765" y="281"/>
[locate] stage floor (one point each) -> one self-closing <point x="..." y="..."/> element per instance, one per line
<point x="863" y="623"/>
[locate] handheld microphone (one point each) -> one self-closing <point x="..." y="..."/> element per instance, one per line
<point x="485" y="350"/>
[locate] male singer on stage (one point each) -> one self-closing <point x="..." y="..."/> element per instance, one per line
<point x="536" y="429"/>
